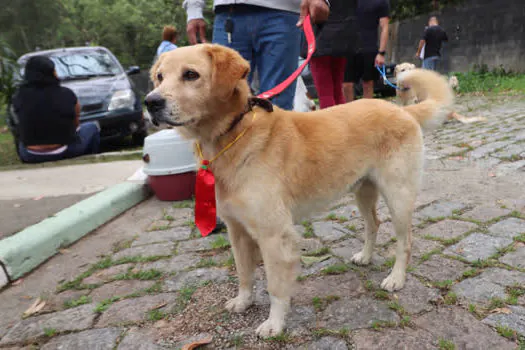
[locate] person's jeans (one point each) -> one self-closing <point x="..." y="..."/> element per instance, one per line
<point x="431" y="63"/>
<point x="328" y="73"/>
<point x="88" y="142"/>
<point x="270" y="41"/>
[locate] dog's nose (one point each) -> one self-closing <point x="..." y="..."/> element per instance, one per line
<point x="154" y="102"/>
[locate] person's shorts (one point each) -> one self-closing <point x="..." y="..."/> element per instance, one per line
<point x="361" y="66"/>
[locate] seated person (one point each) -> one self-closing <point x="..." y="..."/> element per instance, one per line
<point x="48" y="117"/>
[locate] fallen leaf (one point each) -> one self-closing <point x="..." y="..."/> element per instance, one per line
<point x="197" y="343"/>
<point x="34" y="308"/>
<point x="38" y="198"/>
<point x="64" y="251"/>
<point x="491" y="174"/>
<point x="309" y="260"/>
<point x="18" y="281"/>
<point x="159" y="306"/>
<point x="501" y="310"/>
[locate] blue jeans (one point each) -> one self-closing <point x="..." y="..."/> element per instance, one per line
<point x="431" y="62"/>
<point x="88" y="142"/>
<point x="270" y="41"/>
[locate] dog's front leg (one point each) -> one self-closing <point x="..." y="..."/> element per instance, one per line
<point x="246" y="254"/>
<point x="281" y="262"/>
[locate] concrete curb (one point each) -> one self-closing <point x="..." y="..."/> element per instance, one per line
<point x="22" y="252"/>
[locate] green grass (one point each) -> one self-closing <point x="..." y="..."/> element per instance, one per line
<point x="335" y="269"/>
<point x="471" y="273"/>
<point x="319" y="252"/>
<point x="151" y="274"/>
<point x="381" y="295"/>
<point x="446" y="345"/>
<point x="352" y="228"/>
<point x="184" y="298"/>
<point x="280" y="338"/>
<point x="208" y="262"/>
<point x="105" y="304"/>
<point x="451" y="298"/>
<point x="443" y="285"/>
<point x="496" y="303"/>
<point x="520" y="238"/>
<point x="183" y="204"/>
<point x="308" y="229"/>
<point x="495" y="81"/>
<point x="220" y="243"/>
<point x="50" y="332"/>
<point x="506" y="332"/>
<point x="429" y="254"/>
<point x="377" y="325"/>
<point x="155" y="315"/>
<point x="321" y="303"/>
<point x="77" y="302"/>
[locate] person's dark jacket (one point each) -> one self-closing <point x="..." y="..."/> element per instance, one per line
<point x="339" y="35"/>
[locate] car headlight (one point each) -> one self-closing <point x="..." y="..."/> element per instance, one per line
<point x="122" y="99"/>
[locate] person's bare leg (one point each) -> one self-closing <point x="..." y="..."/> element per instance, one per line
<point x="368" y="89"/>
<point x="348" y="91"/>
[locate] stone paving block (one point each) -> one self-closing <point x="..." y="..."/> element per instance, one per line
<point x="300" y="320"/>
<point x="489" y="284"/>
<point x="508" y="228"/>
<point x="447" y="229"/>
<point x="55" y="302"/>
<point x="75" y="319"/>
<point x="439" y="268"/>
<point x="439" y="209"/>
<point x="415" y="297"/>
<point x="477" y="246"/>
<point x="516" y="258"/>
<point x="346" y="285"/>
<point x="316" y="268"/>
<point x="329" y="231"/>
<point x="356" y="314"/>
<point x="515" y="149"/>
<point x="461" y="328"/>
<point x="159" y="249"/>
<point x="200" y="244"/>
<point x="385" y="233"/>
<point x="179" y="233"/>
<point x="135" y="309"/>
<point x="195" y="278"/>
<point x="138" y="339"/>
<point x="484" y="150"/>
<point x="485" y="213"/>
<point x="119" y="288"/>
<point x="99" y="339"/>
<point x="349" y="212"/>
<point x="159" y="225"/>
<point x="310" y="245"/>
<point x="325" y="343"/>
<point x="300" y="229"/>
<point x="504" y="169"/>
<point x="394" y="339"/>
<point x="107" y="274"/>
<point x="176" y="264"/>
<point x="514" y="320"/>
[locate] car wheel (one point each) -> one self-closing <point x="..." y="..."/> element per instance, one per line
<point x="138" y="137"/>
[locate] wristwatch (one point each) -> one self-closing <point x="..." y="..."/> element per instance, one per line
<point x="382" y="53"/>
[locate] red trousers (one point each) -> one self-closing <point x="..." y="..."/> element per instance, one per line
<point x="328" y="73"/>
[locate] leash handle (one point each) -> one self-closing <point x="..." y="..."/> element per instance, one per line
<point x="385" y="79"/>
<point x="310" y="39"/>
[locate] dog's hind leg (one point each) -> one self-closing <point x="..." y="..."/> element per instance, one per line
<point x="366" y="196"/>
<point x="247" y="255"/>
<point x="281" y="262"/>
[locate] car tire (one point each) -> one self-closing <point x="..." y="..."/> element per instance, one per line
<point x="138" y="137"/>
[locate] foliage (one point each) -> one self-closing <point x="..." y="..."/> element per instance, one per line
<point x="481" y="79"/>
<point x="403" y="9"/>
<point x="7" y="72"/>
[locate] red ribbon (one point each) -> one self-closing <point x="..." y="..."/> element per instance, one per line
<point x="205" y="203"/>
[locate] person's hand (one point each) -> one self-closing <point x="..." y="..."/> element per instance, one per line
<point x="380" y="60"/>
<point x="194" y="27"/>
<point x="318" y="10"/>
<point x="417" y="55"/>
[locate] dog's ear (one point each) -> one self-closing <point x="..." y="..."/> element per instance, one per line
<point x="228" y="67"/>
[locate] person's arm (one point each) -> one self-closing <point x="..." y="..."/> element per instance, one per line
<point x="420" y="47"/>
<point x="383" y="40"/>
<point x="195" y="20"/>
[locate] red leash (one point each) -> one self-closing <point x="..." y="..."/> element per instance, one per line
<point x="205" y="203"/>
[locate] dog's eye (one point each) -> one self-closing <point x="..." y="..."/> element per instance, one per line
<point x="159" y="77"/>
<point x="190" y="75"/>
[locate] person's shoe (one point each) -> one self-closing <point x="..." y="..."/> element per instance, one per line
<point x="219" y="226"/>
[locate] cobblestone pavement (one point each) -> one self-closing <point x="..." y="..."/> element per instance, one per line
<point x="147" y="281"/>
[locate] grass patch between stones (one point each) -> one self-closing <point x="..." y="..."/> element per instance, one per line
<point x="220" y="243"/>
<point x="77" y="302"/>
<point x="335" y="269"/>
<point x="308" y="229"/>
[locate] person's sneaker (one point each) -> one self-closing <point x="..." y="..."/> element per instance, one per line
<point x="219" y="226"/>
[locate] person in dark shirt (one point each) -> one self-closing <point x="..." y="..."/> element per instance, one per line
<point x="432" y="39"/>
<point x="48" y="117"/>
<point x="371" y="14"/>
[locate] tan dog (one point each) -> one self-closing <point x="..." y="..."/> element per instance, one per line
<point x="289" y="164"/>
<point x="410" y="96"/>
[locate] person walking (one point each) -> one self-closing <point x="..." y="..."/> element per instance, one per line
<point x="336" y="39"/>
<point x="371" y="14"/>
<point x="265" y="33"/>
<point x="432" y="40"/>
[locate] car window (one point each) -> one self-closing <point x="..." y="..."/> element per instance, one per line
<point x="81" y="64"/>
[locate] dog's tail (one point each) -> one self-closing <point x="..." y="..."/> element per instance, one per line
<point x="433" y="93"/>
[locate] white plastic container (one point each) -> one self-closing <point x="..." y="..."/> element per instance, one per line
<point x="170" y="165"/>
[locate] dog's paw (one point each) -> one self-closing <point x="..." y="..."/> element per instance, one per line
<point x="269" y="328"/>
<point x="361" y="259"/>
<point x="238" y="304"/>
<point x="393" y="282"/>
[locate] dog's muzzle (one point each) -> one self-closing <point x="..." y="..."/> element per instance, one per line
<point x="155" y="105"/>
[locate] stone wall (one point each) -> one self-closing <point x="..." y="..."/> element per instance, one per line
<point x="490" y="32"/>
